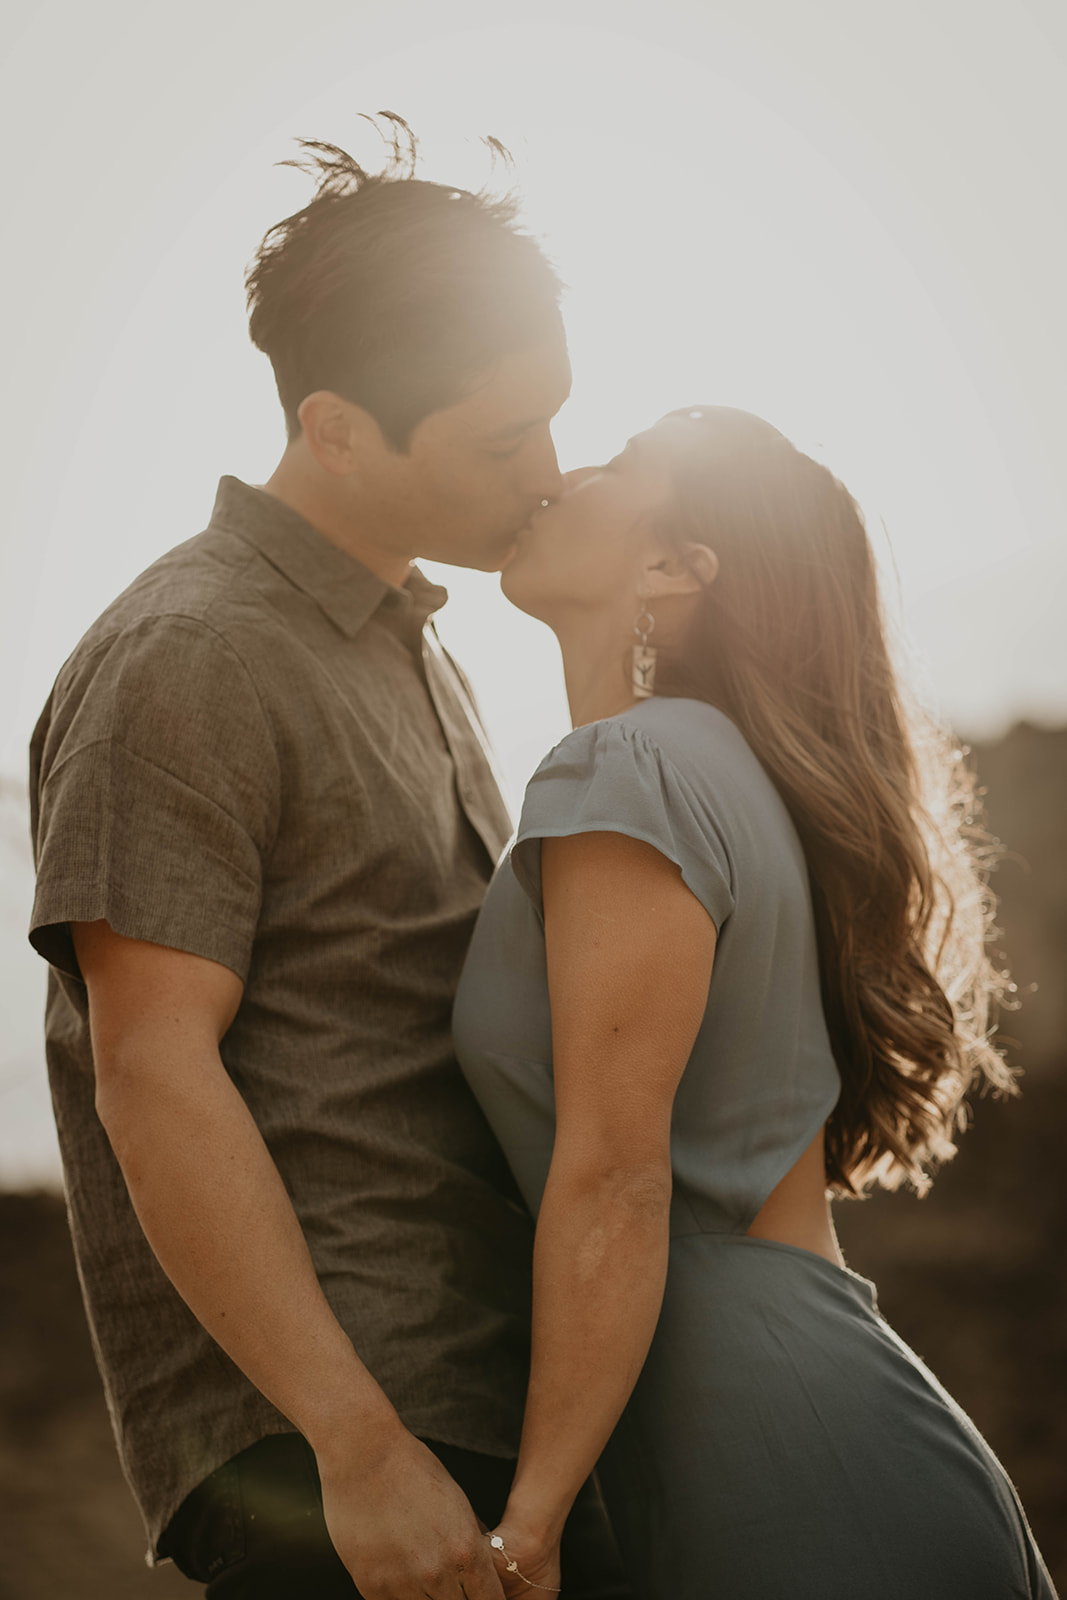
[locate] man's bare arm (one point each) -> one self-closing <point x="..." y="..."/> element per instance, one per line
<point x="216" y="1213"/>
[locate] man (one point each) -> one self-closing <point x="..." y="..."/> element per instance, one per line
<point x="264" y="820"/>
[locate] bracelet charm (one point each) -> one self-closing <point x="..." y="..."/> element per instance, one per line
<point x="512" y="1566"/>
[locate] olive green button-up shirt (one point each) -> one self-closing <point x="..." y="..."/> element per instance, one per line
<point x="261" y="754"/>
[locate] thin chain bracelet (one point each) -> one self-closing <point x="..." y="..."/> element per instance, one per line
<point x="498" y="1544"/>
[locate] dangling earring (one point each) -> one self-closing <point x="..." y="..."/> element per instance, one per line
<point x="643" y="655"/>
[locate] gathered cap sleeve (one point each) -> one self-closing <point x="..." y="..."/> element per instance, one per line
<point x="610" y="777"/>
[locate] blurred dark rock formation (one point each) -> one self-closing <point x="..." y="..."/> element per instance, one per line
<point x="972" y="1276"/>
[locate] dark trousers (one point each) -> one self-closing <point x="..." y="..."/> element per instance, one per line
<point x="254" y="1530"/>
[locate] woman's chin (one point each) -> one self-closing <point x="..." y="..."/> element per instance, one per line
<point x="514" y="588"/>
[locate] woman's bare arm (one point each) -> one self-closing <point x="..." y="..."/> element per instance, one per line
<point x="630" y="952"/>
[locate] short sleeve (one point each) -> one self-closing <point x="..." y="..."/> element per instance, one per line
<point x="612" y="778"/>
<point x="155" y="793"/>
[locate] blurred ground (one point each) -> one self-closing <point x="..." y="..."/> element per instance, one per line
<point x="971" y="1277"/>
<point x="69" y="1529"/>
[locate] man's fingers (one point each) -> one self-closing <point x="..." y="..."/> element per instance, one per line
<point x="480" y="1580"/>
<point x="466" y="1573"/>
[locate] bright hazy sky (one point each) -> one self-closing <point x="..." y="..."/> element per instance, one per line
<point x="846" y="216"/>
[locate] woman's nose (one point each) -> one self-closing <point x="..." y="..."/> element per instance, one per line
<point x="578" y="475"/>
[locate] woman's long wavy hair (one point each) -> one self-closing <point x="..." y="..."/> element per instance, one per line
<point x="790" y="643"/>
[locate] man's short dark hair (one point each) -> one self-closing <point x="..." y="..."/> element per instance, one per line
<point x="394" y="292"/>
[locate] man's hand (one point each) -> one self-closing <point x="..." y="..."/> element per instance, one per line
<point x="402" y="1526"/>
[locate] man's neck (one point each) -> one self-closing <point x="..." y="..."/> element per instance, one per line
<point x="304" y="492"/>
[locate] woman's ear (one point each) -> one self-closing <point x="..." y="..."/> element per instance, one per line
<point x="685" y="572"/>
<point x="702" y="561"/>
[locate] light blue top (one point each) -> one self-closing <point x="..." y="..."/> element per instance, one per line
<point x="781" y="1441"/>
<point x="761" y="1078"/>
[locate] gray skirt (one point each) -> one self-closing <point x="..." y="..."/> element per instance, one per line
<point x="782" y="1443"/>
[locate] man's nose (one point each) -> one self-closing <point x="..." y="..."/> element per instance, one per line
<point x="545" y="479"/>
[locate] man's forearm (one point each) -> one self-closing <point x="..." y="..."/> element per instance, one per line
<point x="216" y="1213"/>
<point x="214" y="1209"/>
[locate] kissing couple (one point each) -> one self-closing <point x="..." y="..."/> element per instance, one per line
<point x="372" y="1298"/>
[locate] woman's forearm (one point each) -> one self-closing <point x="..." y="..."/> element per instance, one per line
<point x="600" y="1263"/>
<point x="629" y="951"/>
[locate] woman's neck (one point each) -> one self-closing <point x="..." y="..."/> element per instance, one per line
<point x="596" y="672"/>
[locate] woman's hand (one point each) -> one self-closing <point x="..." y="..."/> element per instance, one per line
<point x="536" y="1561"/>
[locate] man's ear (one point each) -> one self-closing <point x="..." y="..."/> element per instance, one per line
<point x="687" y="572"/>
<point x="339" y="435"/>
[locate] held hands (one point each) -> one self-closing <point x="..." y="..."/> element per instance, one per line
<point x="525" y="1564"/>
<point x="402" y="1526"/>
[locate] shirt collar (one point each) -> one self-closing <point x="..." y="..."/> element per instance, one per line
<point x="342" y="587"/>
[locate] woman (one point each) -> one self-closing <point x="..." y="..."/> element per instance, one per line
<point x="734" y="959"/>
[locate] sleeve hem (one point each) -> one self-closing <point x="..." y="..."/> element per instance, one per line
<point x="529" y="875"/>
<point x="50" y="934"/>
